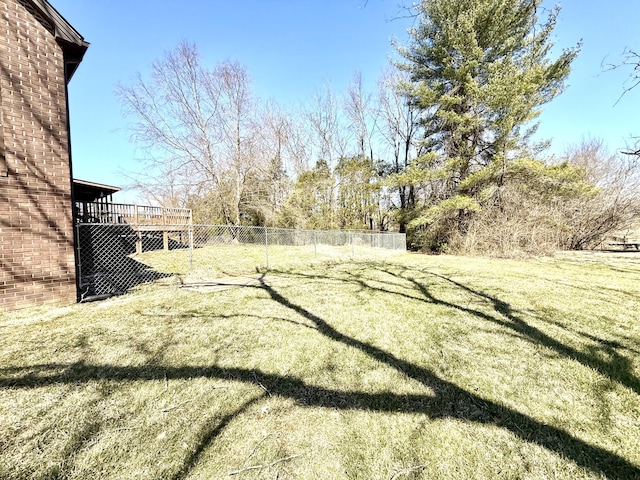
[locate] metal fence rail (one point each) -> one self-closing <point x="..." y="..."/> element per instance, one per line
<point x="114" y="258"/>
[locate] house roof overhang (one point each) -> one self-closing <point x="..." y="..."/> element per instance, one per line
<point x="84" y="191"/>
<point x="73" y="44"/>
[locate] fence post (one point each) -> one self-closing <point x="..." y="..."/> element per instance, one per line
<point x="165" y="233"/>
<point x="266" y="244"/>
<point x="190" y="248"/>
<point x="138" y="240"/>
<point x="353" y="246"/>
<point x="79" y="256"/>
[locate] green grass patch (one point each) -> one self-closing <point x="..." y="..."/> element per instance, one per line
<point x="215" y="261"/>
<point x="407" y="367"/>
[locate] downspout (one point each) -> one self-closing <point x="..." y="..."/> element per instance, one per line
<point x="74" y="219"/>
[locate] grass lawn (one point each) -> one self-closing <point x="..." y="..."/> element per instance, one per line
<point x="408" y="367"/>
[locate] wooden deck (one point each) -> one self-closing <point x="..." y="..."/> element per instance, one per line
<point x="140" y="218"/>
<point x="626" y="245"/>
<point x="124" y="213"/>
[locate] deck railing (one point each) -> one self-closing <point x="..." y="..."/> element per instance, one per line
<point x="124" y="213"/>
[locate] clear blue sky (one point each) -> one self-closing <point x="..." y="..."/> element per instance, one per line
<point x="292" y="47"/>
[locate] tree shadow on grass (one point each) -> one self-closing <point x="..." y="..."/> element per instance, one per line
<point x="444" y="400"/>
<point x="105" y="262"/>
<point x="451" y="401"/>
<point x="617" y="367"/>
<point x="210" y="432"/>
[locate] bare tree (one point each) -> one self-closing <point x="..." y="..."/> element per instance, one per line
<point x="326" y="127"/>
<point x="398" y="128"/>
<point x="362" y="115"/>
<point x="270" y="181"/>
<point x="630" y="59"/>
<point x="298" y="148"/>
<point x="167" y="190"/>
<point x="615" y="207"/>
<point x="195" y="125"/>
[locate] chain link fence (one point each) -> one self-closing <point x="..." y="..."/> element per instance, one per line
<point x="115" y="258"/>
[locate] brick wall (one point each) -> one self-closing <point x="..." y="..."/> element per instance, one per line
<point x="37" y="263"/>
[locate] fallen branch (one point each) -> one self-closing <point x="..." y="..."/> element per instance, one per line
<point x="269" y="465"/>
<point x="173" y="407"/>
<point x="260" y="384"/>
<point x="256" y="447"/>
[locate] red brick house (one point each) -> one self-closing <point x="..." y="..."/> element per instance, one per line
<point x="39" y="52"/>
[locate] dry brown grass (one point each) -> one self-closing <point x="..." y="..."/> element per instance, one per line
<point x="413" y="367"/>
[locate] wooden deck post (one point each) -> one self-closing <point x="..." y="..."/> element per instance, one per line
<point x="138" y="240"/>
<point x="165" y="234"/>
